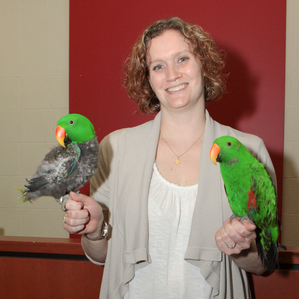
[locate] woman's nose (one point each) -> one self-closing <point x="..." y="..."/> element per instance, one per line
<point x="173" y="73"/>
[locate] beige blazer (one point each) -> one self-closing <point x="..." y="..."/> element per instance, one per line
<point x="122" y="184"/>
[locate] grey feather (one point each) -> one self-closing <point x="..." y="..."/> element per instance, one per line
<point x="53" y="177"/>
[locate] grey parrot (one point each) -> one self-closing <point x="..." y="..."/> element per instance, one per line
<point x="68" y="166"/>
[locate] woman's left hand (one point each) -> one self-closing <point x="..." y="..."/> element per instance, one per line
<point x="235" y="236"/>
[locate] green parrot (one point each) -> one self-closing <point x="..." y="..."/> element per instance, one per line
<point x="251" y="194"/>
<point x="68" y="166"/>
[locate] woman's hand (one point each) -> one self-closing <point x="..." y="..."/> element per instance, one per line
<point x="83" y="216"/>
<point x="235" y="236"/>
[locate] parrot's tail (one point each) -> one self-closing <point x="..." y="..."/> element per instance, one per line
<point x="267" y="249"/>
<point x="23" y="194"/>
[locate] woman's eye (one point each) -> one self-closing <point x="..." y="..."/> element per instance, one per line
<point x="157" y="67"/>
<point x="183" y="59"/>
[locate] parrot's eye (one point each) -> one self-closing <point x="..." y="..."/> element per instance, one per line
<point x="71" y="122"/>
<point x="229" y="144"/>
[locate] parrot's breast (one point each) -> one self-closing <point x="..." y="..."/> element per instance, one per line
<point x="238" y="189"/>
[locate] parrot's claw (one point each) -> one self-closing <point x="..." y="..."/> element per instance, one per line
<point x="234" y="216"/>
<point x="62" y="201"/>
<point x="245" y="217"/>
<point x="241" y="219"/>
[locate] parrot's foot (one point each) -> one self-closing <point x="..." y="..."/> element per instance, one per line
<point x="63" y="200"/>
<point x="245" y="217"/>
<point x="234" y="216"/>
<point x="241" y="219"/>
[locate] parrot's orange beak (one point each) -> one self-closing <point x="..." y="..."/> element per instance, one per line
<point x="60" y="135"/>
<point x="214" y="152"/>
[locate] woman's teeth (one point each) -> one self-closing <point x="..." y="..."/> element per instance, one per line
<point x="176" y="88"/>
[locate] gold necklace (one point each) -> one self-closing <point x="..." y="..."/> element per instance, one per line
<point x="177" y="161"/>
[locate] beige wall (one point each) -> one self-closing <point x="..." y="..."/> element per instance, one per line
<point x="34" y="94"/>
<point x="290" y="209"/>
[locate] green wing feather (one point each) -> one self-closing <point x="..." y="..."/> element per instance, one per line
<point x="266" y="203"/>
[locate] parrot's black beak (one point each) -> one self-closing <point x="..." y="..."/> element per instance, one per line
<point x="67" y="140"/>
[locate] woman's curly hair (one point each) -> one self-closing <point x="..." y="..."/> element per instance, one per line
<point x="137" y="72"/>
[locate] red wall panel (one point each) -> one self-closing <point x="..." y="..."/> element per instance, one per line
<point x="252" y="33"/>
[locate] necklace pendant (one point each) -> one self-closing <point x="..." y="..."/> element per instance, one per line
<point x="177" y="161"/>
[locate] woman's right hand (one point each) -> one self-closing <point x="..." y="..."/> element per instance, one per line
<point x="83" y="216"/>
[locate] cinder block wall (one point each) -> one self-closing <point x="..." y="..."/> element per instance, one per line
<point x="34" y="53"/>
<point x="290" y="209"/>
<point x="34" y="95"/>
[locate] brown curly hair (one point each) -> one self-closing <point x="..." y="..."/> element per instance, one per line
<point x="137" y="72"/>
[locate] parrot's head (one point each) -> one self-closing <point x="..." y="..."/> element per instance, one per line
<point x="227" y="149"/>
<point x="74" y="128"/>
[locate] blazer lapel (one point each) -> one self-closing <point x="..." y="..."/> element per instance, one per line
<point x="207" y="216"/>
<point x="139" y="166"/>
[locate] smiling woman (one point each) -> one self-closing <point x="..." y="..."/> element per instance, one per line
<point x="172" y="236"/>
<point x="200" y="44"/>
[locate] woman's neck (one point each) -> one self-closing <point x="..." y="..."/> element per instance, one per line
<point x="185" y="126"/>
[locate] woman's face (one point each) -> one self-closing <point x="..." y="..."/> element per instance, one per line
<point x="175" y="74"/>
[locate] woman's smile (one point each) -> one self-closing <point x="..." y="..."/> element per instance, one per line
<point x="177" y="88"/>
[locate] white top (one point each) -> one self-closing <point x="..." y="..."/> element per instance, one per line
<point x="170" y="210"/>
